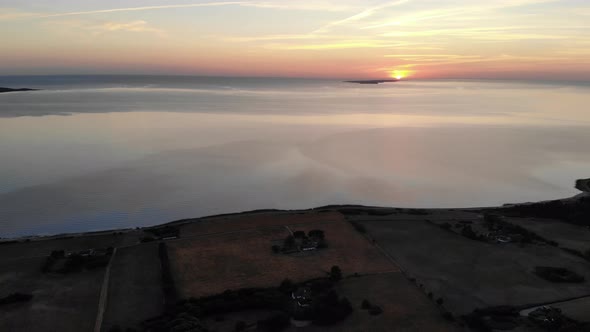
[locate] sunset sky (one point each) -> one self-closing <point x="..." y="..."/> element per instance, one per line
<point x="544" y="39"/>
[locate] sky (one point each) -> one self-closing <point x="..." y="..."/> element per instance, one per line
<point x="513" y="39"/>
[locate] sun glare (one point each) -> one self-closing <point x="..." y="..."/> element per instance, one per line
<point x="399" y="74"/>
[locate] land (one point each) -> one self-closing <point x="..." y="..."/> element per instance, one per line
<point x="4" y="90"/>
<point x="371" y="81"/>
<point x="521" y="267"/>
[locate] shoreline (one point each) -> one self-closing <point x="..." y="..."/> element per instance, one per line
<point x="581" y="184"/>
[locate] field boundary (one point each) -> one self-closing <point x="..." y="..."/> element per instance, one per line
<point x="102" y="301"/>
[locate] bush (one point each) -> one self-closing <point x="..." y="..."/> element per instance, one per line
<point x="316" y="233"/>
<point x="287" y="286"/>
<point x="289" y="241"/>
<point x="329" y="309"/>
<point x="15" y="298"/>
<point x="299" y="234"/>
<point x="375" y="310"/>
<point x="147" y="239"/>
<point x="365" y="304"/>
<point x="335" y="273"/>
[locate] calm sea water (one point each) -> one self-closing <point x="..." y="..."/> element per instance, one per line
<point x="91" y="153"/>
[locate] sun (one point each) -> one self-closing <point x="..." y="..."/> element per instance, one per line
<point x="399" y="74"/>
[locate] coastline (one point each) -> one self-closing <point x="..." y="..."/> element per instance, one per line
<point x="581" y="184"/>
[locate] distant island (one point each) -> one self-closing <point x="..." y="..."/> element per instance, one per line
<point x="372" y="81"/>
<point x="2" y="90"/>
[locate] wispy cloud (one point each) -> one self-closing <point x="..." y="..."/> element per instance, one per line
<point x="7" y="14"/>
<point x="359" y="16"/>
<point x="134" y="26"/>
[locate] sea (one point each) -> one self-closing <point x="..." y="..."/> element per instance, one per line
<point x="89" y="153"/>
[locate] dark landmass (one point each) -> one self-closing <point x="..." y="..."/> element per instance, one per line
<point x="522" y="267"/>
<point x="583" y="185"/>
<point x="3" y="90"/>
<point x="372" y="81"/>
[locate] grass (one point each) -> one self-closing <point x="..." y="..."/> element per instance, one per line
<point x="470" y="274"/>
<point x="206" y="265"/>
<point x="60" y="302"/>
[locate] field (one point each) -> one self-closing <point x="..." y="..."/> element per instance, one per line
<point x="577" y="309"/>
<point x="405" y="308"/>
<point x="60" y="302"/>
<point x="210" y="264"/>
<point x="567" y="235"/>
<point x="135" y="291"/>
<point x="469" y="274"/>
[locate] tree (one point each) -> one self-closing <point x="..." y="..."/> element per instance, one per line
<point x="276" y="248"/>
<point x="316" y="233"/>
<point x="299" y="234"/>
<point x="289" y="241"/>
<point x="375" y="310"/>
<point x="286" y="286"/>
<point x="439" y="301"/>
<point x="335" y="273"/>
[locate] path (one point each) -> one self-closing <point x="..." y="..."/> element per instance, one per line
<point x="102" y="301"/>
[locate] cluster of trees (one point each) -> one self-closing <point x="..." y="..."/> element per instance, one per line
<point x="76" y="262"/>
<point x="329" y="308"/>
<point x="299" y="238"/>
<point x="577" y="212"/>
<point x="495" y="222"/>
<point x="558" y="274"/>
<point x="373" y="310"/>
<point x="487" y="319"/>
<point x="187" y="315"/>
<point x="164" y="231"/>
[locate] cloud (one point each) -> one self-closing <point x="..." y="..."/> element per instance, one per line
<point x="10" y="14"/>
<point x="134" y="26"/>
<point x="360" y="16"/>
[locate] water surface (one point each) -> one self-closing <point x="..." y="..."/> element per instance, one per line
<point x="90" y="153"/>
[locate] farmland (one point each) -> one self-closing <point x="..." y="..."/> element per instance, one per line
<point x="134" y="292"/>
<point x="418" y="269"/>
<point x="210" y="264"/>
<point x="60" y="302"/>
<point x="471" y="274"/>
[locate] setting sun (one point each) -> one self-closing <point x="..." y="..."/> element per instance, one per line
<point x="399" y="74"/>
